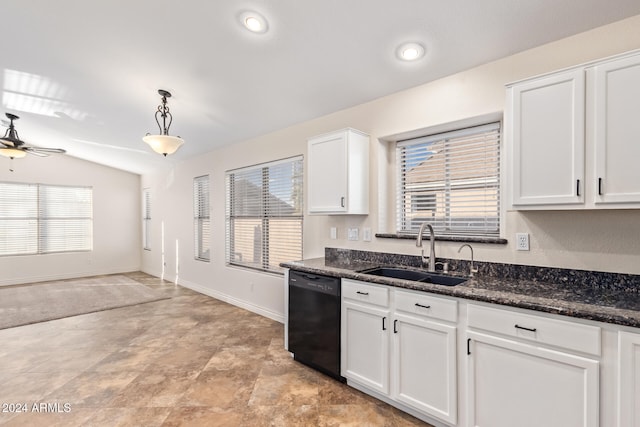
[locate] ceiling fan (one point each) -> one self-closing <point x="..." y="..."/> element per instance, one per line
<point x="13" y="147"/>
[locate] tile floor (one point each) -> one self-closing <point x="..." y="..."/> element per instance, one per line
<point x="186" y="361"/>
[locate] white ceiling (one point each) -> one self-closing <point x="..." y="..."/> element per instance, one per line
<point x="83" y="75"/>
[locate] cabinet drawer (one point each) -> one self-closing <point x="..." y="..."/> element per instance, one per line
<point x="421" y="304"/>
<point x="569" y="335"/>
<point x="365" y="292"/>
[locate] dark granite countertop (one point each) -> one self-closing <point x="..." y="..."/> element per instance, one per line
<point x="609" y="304"/>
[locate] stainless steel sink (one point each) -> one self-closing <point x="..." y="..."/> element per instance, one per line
<point x="414" y="275"/>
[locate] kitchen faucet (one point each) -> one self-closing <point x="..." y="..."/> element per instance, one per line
<point x="432" y="251"/>
<point x="471" y="270"/>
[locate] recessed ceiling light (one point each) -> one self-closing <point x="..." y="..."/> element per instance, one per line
<point x="410" y="51"/>
<point x="254" y="22"/>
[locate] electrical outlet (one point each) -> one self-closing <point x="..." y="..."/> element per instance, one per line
<point x="522" y="241"/>
<point x="366" y="234"/>
<point x="352" y="234"/>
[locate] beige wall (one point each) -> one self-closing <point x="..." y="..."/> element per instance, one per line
<point x="603" y="240"/>
<point x="116" y="220"/>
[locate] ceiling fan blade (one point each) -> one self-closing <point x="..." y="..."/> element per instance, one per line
<point x="35" y="153"/>
<point x="44" y="151"/>
<point x="7" y="142"/>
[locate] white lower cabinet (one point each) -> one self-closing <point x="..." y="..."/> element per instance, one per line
<point x="509" y="367"/>
<point x="366" y="343"/>
<point x="424" y="366"/>
<point x="365" y="335"/>
<point x="629" y="379"/>
<point x="512" y="383"/>
<point x="514" y="378"/>
<point x="394" y="344"/>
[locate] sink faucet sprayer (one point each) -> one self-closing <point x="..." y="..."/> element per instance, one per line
<point x="432" y="248"/>
<point x="471" y="270"/>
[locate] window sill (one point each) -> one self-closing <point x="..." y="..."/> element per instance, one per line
<point x="464" y="239"/>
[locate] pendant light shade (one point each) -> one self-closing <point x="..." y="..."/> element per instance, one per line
<point x="163" y="143"/>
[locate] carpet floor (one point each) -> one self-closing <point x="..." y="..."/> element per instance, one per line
<point x="40" y="302"/>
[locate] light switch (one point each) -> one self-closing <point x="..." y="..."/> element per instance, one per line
<point x="366" y="234"/>
<point x="333" y="233"/>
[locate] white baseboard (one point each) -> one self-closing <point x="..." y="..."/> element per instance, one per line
<point x="61" y="276"/>
<point x="278" y="317"/>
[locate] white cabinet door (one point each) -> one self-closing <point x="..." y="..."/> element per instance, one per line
<point x="424" y="366"/>
<point x="547" y="118"/>
<point x="338" y="173"/>
<point x="616" y="130"/>
<point x="629" y="380"/>
<point x="328" y="173"/>
<point x="515" y="384"/>
<point x="365" y="346"/>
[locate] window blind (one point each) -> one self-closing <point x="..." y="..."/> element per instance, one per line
<point x="264" y="214"/>
<point x="201" y="220"/>
<point x="38" y="219"/>
<point x="18" y="219"/>
<point x="146" y="219"/>
<point x="452" y="181"/>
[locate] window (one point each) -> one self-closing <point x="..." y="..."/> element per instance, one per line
<point x="146" y="219"/>
<point x="264" y="215"/>
<point x="39" y="219"/>
<point x="201" y="221"/>
<point x="452" y="181"/>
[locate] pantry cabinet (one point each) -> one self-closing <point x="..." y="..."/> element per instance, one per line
<point x="338" y="173"/>
<point x="574" y="137"/>
<point x="629" y="379"/>
<point x="531" y="371"/>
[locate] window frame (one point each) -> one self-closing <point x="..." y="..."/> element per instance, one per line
<point x="262" y="215"/>
<point x="202" y="218"/>
<point x="444" y="190"/>
<point x="47" y="210"/>
<point x="146" y="219"/>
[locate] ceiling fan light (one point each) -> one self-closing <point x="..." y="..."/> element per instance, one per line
<point x="12" y="153"/>
<point x="163" y="144"/>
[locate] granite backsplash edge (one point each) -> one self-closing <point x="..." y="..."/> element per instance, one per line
<point x="569" y="277"/>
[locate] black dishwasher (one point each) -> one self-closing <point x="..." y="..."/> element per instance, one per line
<point x="314" y="321"/>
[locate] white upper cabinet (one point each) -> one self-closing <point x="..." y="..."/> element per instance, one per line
<point x="574" y="137"/>
<point x="547" y="133"/>
<point x="338" y="173"/>
<point x="616" y="130"/>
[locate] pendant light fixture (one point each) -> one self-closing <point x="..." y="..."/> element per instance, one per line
<point x="163" y="143"/>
